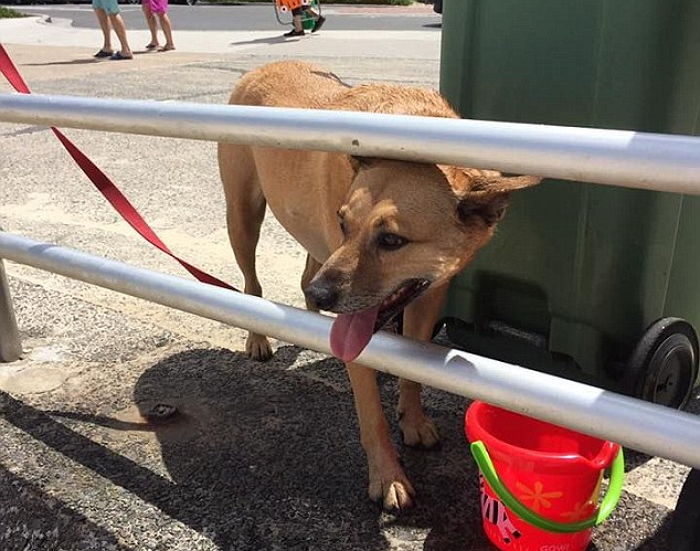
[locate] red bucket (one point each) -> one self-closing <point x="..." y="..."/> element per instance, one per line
<point x="540" y="482"/>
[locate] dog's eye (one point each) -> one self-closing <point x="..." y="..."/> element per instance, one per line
<point x="390" y="241"/>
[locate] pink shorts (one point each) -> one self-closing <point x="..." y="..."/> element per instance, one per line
<point x="156" y="6"/>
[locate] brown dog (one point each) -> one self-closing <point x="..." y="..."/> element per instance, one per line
<point x="382" y="236"/>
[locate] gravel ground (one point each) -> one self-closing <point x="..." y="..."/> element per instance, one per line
<point x="259" y="456"/>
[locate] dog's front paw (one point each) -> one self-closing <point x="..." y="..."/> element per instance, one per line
<point x="258" y="347"/>
<point x="392" y="488"/>
<point x="419" y="430"/>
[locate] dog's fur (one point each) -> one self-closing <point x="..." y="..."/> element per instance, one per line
<point x="336" y="206"/>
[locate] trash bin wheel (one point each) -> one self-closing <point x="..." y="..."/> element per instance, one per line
<point x="438" y="327"/>
<point x="664" y="365"/>
<point x="685" y="530"/>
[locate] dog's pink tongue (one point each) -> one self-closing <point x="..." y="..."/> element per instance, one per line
<point x="351" y="333"/>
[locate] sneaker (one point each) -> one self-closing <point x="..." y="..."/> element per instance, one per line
<point x="294" y="32"/>
<point x="319" y="23"/>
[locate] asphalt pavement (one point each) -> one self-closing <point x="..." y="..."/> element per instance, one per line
<point x="259" y="456"/>
<point x="210" y="17"/>
<point x="252" y="30"/>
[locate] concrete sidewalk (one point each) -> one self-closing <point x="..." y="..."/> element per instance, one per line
<point x="261" y="456"/>
<point x="416" y="45"/>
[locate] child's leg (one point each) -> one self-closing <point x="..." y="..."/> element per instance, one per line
<point x="152" y="26"/>
<point x="106" y="29"/>
<point x="120" y="29"/>
<point x="298" y="29"/>
<point x="296" y="18"/>
<point x="320" y="20"/>
<point x="167" y="31"/>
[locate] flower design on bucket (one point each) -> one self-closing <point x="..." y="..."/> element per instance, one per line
<point x="579" y="512"/>
<point x="538" y="497"/>
<point x="584" y="510"/>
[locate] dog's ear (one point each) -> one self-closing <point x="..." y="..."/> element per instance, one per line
<point x="502" y="183"/>
<point x="488" y="195"/>
<point x="489" y="207"/>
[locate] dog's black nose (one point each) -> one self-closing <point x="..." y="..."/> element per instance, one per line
<point x="321" y="294"/>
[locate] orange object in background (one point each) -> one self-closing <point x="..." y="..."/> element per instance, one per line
<point x="285" y="6"/>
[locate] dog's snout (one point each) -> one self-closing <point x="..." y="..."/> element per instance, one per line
<point x="322" y="294"/>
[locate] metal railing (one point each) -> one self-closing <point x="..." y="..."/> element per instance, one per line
<point x="647" y="427"/>
<point x="616" y="157"/>
<point x="666" y="163"/>
<point x="10" y="344"/>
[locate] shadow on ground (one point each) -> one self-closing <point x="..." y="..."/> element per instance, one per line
<point x="277" y="39"/>
<point x="83" y="61"/>
<point x="50" y="523"/>
<point x="287" y="468"/>
<point x="80" y="61"/>
<point x="268" y="457"/>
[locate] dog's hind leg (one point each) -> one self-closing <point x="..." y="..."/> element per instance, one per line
<point x="309" y="272"/>
<point x="245" y="212"/>
<point x="419" y="319"/>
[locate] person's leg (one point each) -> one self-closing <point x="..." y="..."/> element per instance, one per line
<point x="152" y="24"/>
<point x="297" y="23"/>
<point x="298" y="29"/>
<point x="167" y="31"/>
<point x="320" y="20"/>
<point x="112" y="9"/>
<point x="120" y="29"/>
<point x="106" y="31"/>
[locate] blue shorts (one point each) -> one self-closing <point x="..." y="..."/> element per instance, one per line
<point x="109" y="6"/>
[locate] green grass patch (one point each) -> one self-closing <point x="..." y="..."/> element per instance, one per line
<point x="7" y="13"/>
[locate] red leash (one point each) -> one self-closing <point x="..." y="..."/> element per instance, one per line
<point x="103" y="184"/>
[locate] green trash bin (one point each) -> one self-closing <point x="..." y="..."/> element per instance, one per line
<point x="592" y="282"/>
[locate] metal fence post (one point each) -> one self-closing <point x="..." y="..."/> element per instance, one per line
<point x="10" y="345"/>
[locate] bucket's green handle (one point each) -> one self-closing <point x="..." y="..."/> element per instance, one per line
<point x="607" y="506"/>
